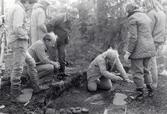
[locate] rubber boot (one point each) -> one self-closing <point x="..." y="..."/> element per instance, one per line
<point x="140" y="94"/>
<point x="150" y="90"/>
<point x="15" y="91"/>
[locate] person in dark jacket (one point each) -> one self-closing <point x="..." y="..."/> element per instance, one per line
<point x="60" y="25"/>
<point x="140" y="48"/>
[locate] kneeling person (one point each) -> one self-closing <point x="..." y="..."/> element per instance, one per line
<point x="99" y="75"/>
<point x="39" y="51"/>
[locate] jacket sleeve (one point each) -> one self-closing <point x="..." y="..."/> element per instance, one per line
<point x="133" y="34"/>
<point x="120" y="68"/>
<point x="153" y="18"/>
<point x="18" y="24"/>
<point x="42" y="55"/>
<point x="103" y="70"/>
<point x="41" y="21"/>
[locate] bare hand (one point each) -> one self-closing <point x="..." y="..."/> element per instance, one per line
<point x="129" y="81"/>
<point x="118" y="78"/>
<point x="57" y="65"/>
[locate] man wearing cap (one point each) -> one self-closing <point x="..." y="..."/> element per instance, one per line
<point x="38" y="20"/>
<point x="100" y="71"/>
<point x="140" y="48"/>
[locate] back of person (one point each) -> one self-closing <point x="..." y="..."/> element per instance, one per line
<point x="158" y="27"/>
<point x="38" y="17"/>
<point x="60" y="27"/>
<point x="145" y="46"/>
<point x="35" y="48"/>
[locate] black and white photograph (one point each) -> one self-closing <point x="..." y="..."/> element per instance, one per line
<point x="83" y="56"/>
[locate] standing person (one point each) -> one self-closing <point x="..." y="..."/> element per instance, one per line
<point x="140" y="49"/>
<point x="38" y="20"/>
<point x="158" y="25"/>
<point x="18" y="41"/>
<point x="100" y="71"/>
<point x="60" y="25"/>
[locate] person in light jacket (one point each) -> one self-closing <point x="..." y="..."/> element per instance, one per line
<point x="38" y="20"/>
<point x="100" y="71"/>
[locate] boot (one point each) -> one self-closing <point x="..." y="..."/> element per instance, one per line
<point x="150" y="90"/>
<point x="140" y="94"/>
<point x="15" y="92"/>
<point x="36" y="88"/>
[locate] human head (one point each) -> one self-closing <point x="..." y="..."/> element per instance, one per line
<point x="110" y="54"/>
<point x="152" y="4"/>
<point x="28" y="3"/>
<point x="131" y="8"/>
<point x="50" y="39"/>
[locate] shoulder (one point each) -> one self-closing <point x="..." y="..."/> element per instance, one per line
<point x="37" y="45"/>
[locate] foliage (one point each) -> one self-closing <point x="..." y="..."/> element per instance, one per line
<point x="101" y="24"/>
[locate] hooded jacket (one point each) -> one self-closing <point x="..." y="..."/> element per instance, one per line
<point x="141" y="44"/>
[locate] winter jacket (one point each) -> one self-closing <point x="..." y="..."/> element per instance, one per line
<point x="158" y="25"/>
<point x="60" y="27"/>
<point x="16" y="23"/>
<point x="38" y="18"/>
<point x="141" y="44"/>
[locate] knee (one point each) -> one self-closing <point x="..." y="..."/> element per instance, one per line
<point x="92" y="86"/>
<point x="50" y="67"/>
<point x="31" y="62"/>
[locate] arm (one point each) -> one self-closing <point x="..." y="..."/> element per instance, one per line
<point x="133" y="35"/>
<point x="104" y="72"/>
<point x="41" y="22"/>
<point x="18" y="22"/>
<point x="153" y="17"/>
<point x="120" y="68"/>
<point x="42" y="55"/>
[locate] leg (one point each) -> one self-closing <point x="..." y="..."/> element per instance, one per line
<point x="154" y="71"/>
<point x="19" y="55"/>
<point x="147" y="76"/>
<point x="138" y="73"/>
<point x="92" y="86"/>
<point x="61" y="56"/>
<point x="45" y="69"/>
<point x="105" y="83"/>
<point x="32" y="72"/>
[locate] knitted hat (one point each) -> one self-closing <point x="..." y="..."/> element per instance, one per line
<point x="131" y="7"/>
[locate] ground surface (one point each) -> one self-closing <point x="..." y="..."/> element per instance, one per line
<point x="79" y="97"/>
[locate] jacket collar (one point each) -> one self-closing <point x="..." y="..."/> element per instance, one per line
<point x="135" y="11"/>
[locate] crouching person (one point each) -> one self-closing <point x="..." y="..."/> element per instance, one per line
<point x="39" y="51"/>
<point x="99" y="75"/>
